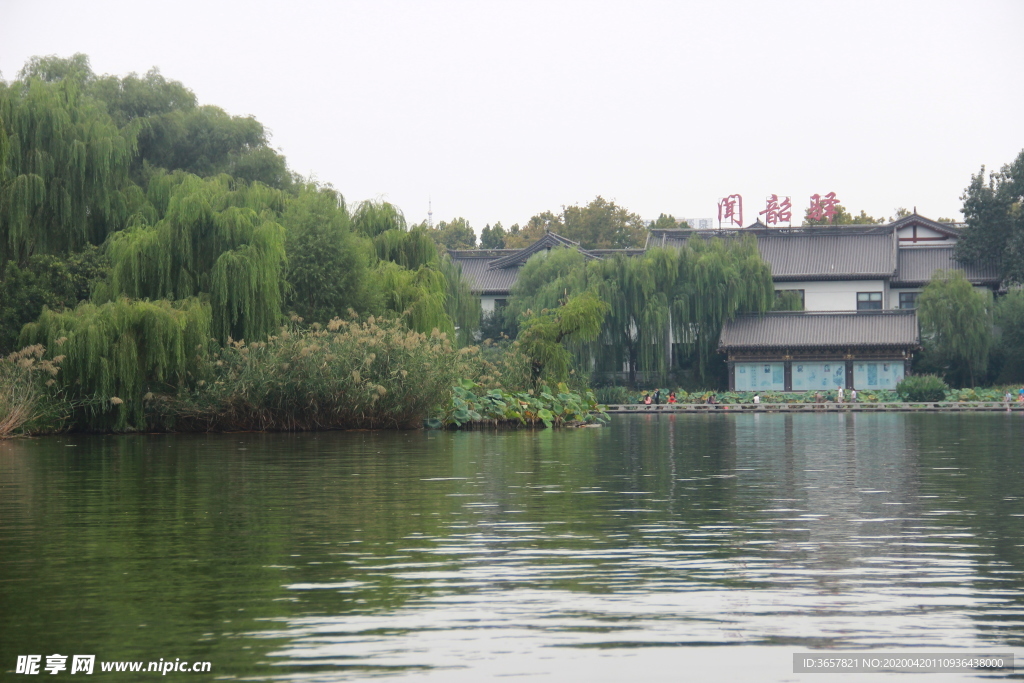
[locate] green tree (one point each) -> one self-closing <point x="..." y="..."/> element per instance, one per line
<point x="141" y="97"/>
<point x="117" y="353"/>
<point x="687" y="293"/>
<point x="666" y="222"/>
<point x="843" y="217"/>
<point x="994" y="212"/>
<point x="493" y="238"/>
<point x="328" y="265"/>
<point x="63" y="170"/>
<point x="603" y="225"/>
<point x="371" y="218"/>
<point x="542" y="335"/>
<point x="207" y="141"/>
<point x="956" y="327"/>
<point x="46" y="281"/>
<point x="598" y="225"/>
<point x="218" y="237"/>
<point x="1009" y="320"/>
<point x="51" y="68"/>
<point x="457" y="234"/>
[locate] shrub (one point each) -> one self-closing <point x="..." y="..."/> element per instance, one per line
<point x="922" y="388"/>
<point x="372" y="374"/>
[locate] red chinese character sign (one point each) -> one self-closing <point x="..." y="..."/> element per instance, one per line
<point x="822" y="208"/>
<point x="730" y="211"/>
<point x="778" y="210"/>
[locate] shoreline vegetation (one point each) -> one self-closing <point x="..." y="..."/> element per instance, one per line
<point x="162" y="269"/>
<point x="349" y="374"/>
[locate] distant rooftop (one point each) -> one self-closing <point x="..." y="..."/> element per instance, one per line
<point x="821" y="329"/>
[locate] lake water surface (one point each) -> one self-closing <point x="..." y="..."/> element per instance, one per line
<point x="659" y="548"/>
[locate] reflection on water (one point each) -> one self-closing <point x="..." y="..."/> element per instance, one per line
<point x="712" y="545"/>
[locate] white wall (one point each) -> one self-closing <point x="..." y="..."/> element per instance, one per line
<point x="907" y="232"/>
<point x="487" y="302"/>
<point x="834" y="295"/>
<point x="894" y="296"/>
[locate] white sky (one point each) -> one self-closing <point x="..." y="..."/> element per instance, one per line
<point x="500" y="110"/>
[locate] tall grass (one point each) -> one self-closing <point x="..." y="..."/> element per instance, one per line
<point x="349" y="374"/>
<point x="25" y="405"/>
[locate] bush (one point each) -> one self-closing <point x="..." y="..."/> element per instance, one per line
<point x="372" y="374"/>
<point x="922" y="388"/>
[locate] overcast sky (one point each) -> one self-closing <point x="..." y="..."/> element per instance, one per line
<point x="500" y="110"/>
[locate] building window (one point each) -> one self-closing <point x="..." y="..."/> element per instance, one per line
<point x="908" y="299"/>
<point x="869" y="301"/>
<point x="786" y="298"/>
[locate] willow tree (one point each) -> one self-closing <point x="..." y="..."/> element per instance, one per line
<point x="956" y="329"/>
<point x="545" y="333"/>
<point x="63" y="170"/>
<point x="113" y="355"/>
<point x="371" y="218"/>
<point x="716" y="279"/>
<point x="409" y="249"/>
<point x="683" y="296"/>
<point x="417" y="297"/>
<point x="218" y="238"/>
<point x="461" y="304"/>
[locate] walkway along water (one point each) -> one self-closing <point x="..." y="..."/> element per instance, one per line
<point x="942" y="406"/>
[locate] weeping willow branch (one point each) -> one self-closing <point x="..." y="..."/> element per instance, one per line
<point x="218" y="237"/>
<point x="114" y="354"/>
<point x="63" y="170"/>
<point x="687" y="293"/>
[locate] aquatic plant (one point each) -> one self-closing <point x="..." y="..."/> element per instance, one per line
<point x="472" y="404"/>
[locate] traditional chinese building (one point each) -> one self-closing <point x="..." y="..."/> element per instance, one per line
<point x="808" y="351"/>
<point x="858" y="283"/>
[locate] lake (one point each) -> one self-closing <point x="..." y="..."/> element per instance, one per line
<point x="658" y="548"/>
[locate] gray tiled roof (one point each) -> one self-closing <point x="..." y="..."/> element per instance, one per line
<point x="813" y="329"/>
<point x="828" y="254"/>
<point x="482" y="278"/>
<point x="813" y="256"/>
<point x="915" y="266"/>
<point x="494" y="271"/>
<point x="549" y="241"/>
<point x="948" y="229"/>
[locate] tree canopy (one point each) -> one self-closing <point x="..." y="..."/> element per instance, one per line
<point x="493" y="237"/>
<point x="687" y="293"/>
<point x="598" y="225"/>
<point x="842" y="217"/>
<point x="454" y="234"/>
<point x="955" y="327"/>
<point x="994" y="212"/>
<point x="63" y="170"/>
